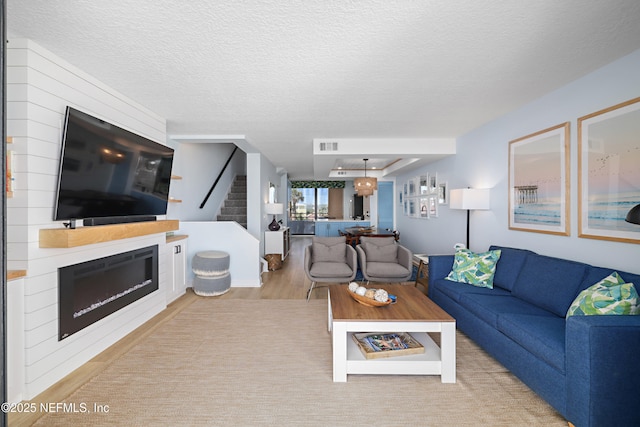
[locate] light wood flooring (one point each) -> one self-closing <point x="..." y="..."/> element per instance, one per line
<point x="290" y="282"/>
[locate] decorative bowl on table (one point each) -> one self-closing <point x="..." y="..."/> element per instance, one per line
<point x="369" y="297"/>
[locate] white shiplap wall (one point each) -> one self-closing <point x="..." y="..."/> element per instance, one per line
<point x="39" y="87"/>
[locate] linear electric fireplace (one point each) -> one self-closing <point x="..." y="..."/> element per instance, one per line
<point x="94" y="289"/>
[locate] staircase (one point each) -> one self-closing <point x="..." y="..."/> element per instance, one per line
<point x="235" y="206"/>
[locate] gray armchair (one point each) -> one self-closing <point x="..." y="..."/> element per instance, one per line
<point x="329" y="260"/>
<point x="383" y="260"/>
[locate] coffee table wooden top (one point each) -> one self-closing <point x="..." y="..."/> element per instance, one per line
<point x="411" y="305"/>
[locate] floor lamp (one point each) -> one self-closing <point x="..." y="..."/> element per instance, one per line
<point x="469" y="199"/>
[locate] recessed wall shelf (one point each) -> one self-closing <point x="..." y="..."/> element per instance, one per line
<point x="69" y="238"/>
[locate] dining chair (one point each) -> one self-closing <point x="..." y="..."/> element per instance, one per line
<point x="348" y="237"/>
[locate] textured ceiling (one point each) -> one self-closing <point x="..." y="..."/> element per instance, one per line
<point x="284" y="72"/>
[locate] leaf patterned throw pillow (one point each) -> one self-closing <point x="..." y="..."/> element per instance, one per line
<point x="611" y="295"/>
<point x="475" y="269"/>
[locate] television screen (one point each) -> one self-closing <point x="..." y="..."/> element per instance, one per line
<point x="107" y="171"/>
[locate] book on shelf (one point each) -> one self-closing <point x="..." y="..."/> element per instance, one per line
<point x="389" y="344"/>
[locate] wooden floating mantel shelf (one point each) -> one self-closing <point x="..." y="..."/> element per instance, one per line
<point x="16" y="274"/>
<point x="70" y="238"/>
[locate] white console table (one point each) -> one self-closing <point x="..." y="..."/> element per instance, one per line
<point x="277" y="242"/>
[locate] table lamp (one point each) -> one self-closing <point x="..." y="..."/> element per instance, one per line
<point x="274" y="209"/>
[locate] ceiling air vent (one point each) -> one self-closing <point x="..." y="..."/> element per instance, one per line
<point x="328" y="146"/>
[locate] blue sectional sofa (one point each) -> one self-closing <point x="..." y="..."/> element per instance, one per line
<point x="586" y="367"/>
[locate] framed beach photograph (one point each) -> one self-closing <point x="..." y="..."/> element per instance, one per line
<point x="609" y="172"/>
<point x="539" y="181"/>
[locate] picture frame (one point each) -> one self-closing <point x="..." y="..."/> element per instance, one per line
<point x="424" y="208"/>
<point x="608" y="172"/>
<point x="539" y="185"/>
<point x="443" y="198"/>
<point x="433" y="206"/>
<point x="412" y="187"/>
<point x="433" y="183"/>
<point x="413" y="207"/>
<point x="424" y="184"/>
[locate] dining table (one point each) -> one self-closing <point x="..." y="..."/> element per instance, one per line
<point x="355" y="233"/>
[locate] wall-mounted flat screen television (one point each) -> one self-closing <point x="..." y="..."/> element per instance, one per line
<point x="107" y="171"/>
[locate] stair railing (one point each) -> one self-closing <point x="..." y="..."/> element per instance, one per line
<point x="218" y="178"/>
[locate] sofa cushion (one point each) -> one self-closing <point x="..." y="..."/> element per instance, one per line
<point x="550" y="283"/>
<point x="509" y="265"/>
<point x="595" y="274"/>
<point x="329" y="249"/>
<point x="490" y="307"/>
<point x="609" y="296"/>
<point x="380" y="253"/>
<point x="543" y="336"/>
<point x="455" y="290"/>
<point x="473" y="268"/>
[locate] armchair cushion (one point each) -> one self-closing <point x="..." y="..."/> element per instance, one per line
<point x="386" y="270"/>
<point x="380" y="253"/>
<point x="329" y="249"/>
<point x="331" y="270"/>
<point x="379" y="241"/>
<point x="380" y="249"/>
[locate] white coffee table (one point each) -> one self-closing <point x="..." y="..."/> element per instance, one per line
<point x="413" y="313"/>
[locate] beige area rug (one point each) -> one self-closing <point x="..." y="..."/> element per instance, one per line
<point x="268" y="363"/>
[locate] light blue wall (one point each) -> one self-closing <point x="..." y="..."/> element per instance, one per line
<point x="482" y="162"/>
<point x="385" y="204"/>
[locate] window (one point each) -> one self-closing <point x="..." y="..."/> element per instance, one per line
<point x="309" y="204"/>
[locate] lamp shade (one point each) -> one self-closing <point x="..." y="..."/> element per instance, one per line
<point x="633" y="216"/>
<point x="364" y="186"/>
<point x="274" y="208"/>
<point x="469" y="199"/>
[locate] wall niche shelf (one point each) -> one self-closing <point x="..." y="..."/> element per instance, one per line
<point x="68" y="238"/>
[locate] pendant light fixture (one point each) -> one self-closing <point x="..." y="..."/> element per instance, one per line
<point x="364" y="186"/>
